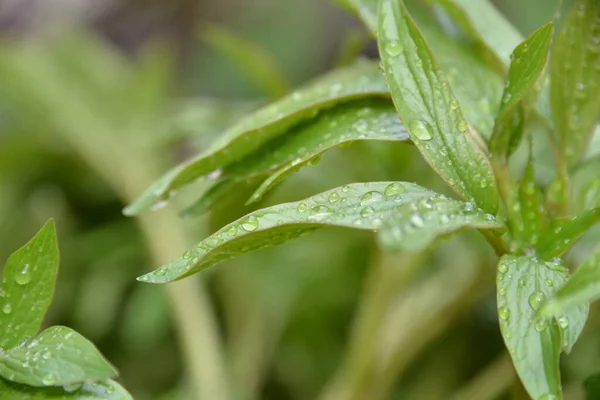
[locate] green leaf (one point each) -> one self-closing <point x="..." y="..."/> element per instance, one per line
<point x="563" y="232"/>
<point x="575" y="78"/>
<point x="28" y="286"/>
<point x="56" y="357"/>
<point x="592" y="387"/>
<point x="527" y="65"/>
<point x="360" y="206"/>
<point x="360" y="80"/>
<point x="533" y="343"/>
<point x="252" y="59"/>
<point x="302" y="145"/>
<point x="104" y="390"/>
<point x="430" y="111"/>
<point x="581" y="289"/>
<point x="485" y="25"/>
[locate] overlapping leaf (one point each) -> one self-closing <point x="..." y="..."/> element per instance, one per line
<point x="534" y="343"/>
<point x="362" y="79"/>
<point x="429" y="110"/>
<point x="575" y="78"/>
<point x="527" y="63"/>
<point x="27" y="287"/>
<point x="104" y="390"/>
<point x="358" y="120"/>
<point x="366" y="206"/>
<point x="563" y="232"/>
<point x="58" y="356"/>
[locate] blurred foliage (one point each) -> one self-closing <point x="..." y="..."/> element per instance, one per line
<point x="82" y="128"/>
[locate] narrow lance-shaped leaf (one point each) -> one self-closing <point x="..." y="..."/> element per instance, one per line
<point x="363" y="206"/>
<point x="358" y="120"/>
<point x="563" y="232"/>
<point x="362" y="79"/>
<point x="27" y="287"/>
<point x="575" y="78"/>
<point x="56" y="357"/>
<point x="104" y="390"/>
<point x="527" y="63"/>
<point x="533" y="343"/>
<point x="430" y="111"/>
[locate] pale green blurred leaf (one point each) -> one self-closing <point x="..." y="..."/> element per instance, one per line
<point x="104" y="390"/>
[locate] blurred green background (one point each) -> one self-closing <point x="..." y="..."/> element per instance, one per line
<point x="97" y="98"/>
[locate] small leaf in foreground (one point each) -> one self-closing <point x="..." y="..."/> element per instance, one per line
<point x="360" y="80"/>
<point x="364" y="206"/>
<point x="563" y="232"/>
<point x="103" y="390"/>
<point x="28" y="286"/>
<point x="56" y="357"/>
<point x="575" y="78"/>
<point x="430" y="111"/>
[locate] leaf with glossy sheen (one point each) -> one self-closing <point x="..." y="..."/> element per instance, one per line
<point x="56" y="357"/>
<point x="359" y="120"/>
<point x="581" y="289"/>
<point x="362" y="79"/>
<point x="533" y="343"/>
<point x="527" y="64"/>
<point x="575" y="74"/>
<point x="104" y="390"/>
<point x="430" y="111"/>
<point x="363" y="206"/>
<point x="484" y="24"/>
<point x="563" y="233"/>
<point x="27" y="287"/>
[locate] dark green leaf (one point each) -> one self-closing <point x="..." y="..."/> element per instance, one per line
<point x="575" y="74"/>
<point x="56" y="357"/>
<point x="360" y="120"/>
<point x="362" y="79"/>
<point x="592" y="387"/>
<point x="27" y="287"/>
<point x="533" y="343"/>
<point x="104" y="390"/>
<point x="528" y="61"/>
<point x="252" y="59"/>
<point x="360" y="206"/>
<point x="429" y="110"/>
<point x="563" y="232"/>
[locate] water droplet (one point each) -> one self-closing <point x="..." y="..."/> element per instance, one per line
<point x="444" y="219"/>
<point x="46" y="355"/>
<point x="49" y="379"/>
<point x="370" y="198"/>
<point x="394" y="188"/>
<point x="521" y="283"/>
<point x="302" y="207"/>
<point x="333" y="197"/>
<point x="232" y="230"/>
<point x="462" y="125"/>
<point x="502" y="268"/>
<point x="535" y="299"/>
<point x="73" y="387"/>
<point x="394" y="48"/>
<point x="250" y="224"/>
<point x="367" y="211"/>
<point x="187" y="254"/>
<point x="540" y="325"/>
<point x="563" y="322"/>
<point x="23" y="277"/>
<point x="417" y="221"/>
<point x="468" y="206"/>
<point x="345" y="188"/>
<point x="420" y="129"/>
<point x="7" y="308"/>
<point x="504" y="313"/>
<point x="453" y="104"/>
<point x="549" y="282"/>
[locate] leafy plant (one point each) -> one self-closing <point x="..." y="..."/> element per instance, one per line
<point x="57" y="363"/>
<point x="485" y="139"/>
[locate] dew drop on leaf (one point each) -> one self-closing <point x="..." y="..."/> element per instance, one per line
<point x="250" y="224"/>
<point x="563" y="322"/>
<point x="394" y="49"/>
<point x="23" y="277"/>
<point x="370" y="198"/>
<point x="49" y="379"/>
<point x="232" y="230"/>
<point x="333" y="197"/>
<point x="540" y="325"/>
<point x="7" y="308"/>
<point x="417" y="221"/>
<point x="393" y="189"/>
<point x="320" y="212"/>
<point x="535" y="300"/>
<point x="302" y="207"/>
<point x="420" y="130"/>
<point x="504" y="313"/>
<point x="367" y="211"/>
<point x="502" y="268"/>
<point x="345" y="188"/>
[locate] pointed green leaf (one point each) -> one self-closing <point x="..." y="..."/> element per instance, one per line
<point x="575" y="78"/>
<point x="359" y="120"/>
<point x="430" y="111"/>
<point x="563" y="233"/>
<point x="27" y="287"/>
<point x="527" y="63"/>
<point x="415" y="226"/>
<point x="360" y="206"/>
<point x="252" y="59"/>
<point x="485" y="25"/>
<point x="580" y="290"/>
<point x="533" y="343"/>
<point x="104" y="390"/>
<point x="359" y="80"/>
<point x="56" y="357"/>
